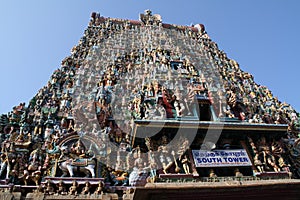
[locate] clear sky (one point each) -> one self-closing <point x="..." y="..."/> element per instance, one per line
<point x="263" y="36"/>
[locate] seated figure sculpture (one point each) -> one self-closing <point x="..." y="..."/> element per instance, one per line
<point x="78" y="150"/>
<point x="99" y="189"/>
<point x="86" y="189"/>
<point x="61" y="188"/>
<point x="73" y="188"/>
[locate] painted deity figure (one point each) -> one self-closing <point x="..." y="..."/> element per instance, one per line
<point x="185" y="164"/>
<point x="78" y="150"/>
<point x="39" y="126"/>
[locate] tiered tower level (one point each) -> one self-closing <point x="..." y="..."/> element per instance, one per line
<point x="134" y="98"/>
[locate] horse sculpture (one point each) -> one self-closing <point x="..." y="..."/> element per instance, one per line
<point x="85" y="165"/>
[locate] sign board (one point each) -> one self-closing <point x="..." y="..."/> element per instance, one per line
<point x="221" y="158"/>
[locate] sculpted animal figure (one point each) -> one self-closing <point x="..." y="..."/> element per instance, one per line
<point x="85" y="165"/>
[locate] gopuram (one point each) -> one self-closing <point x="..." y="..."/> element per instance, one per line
<point x="148" y="110"/>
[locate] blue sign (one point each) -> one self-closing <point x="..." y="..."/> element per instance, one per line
<point x="221" y="158"/>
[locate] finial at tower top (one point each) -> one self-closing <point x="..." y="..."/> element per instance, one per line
<point x="148" y="19"/>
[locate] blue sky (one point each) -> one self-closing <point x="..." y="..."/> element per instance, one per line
<point x="262" y="36"/>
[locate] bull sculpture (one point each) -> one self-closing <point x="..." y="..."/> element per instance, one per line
<point x="85" y="165"/>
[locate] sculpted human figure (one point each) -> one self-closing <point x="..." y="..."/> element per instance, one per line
<point x="61" y="188"/>
<point x="139" y="161"/>
<point x="86" y="189"/>
<point x="73" y="188"/>
<point x="237" y="173"/>
<point x="258" y="163"/>
<point x="152" y="166"/>
<point x="39" y="125"/>
<point x="49" y="188"/>
<point x="35" y="159"/>
<point x="179" y="107"/>
<point x="212" y="174"/>
<point x="118" y="135"/>
<point x="271" y="161"/>
<point x="185" y="164"/>
<point x="78" y="149"/>
<point x="99" y="189"/>
<point x="165" y="158"/>
<point x="20" y="139"/>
